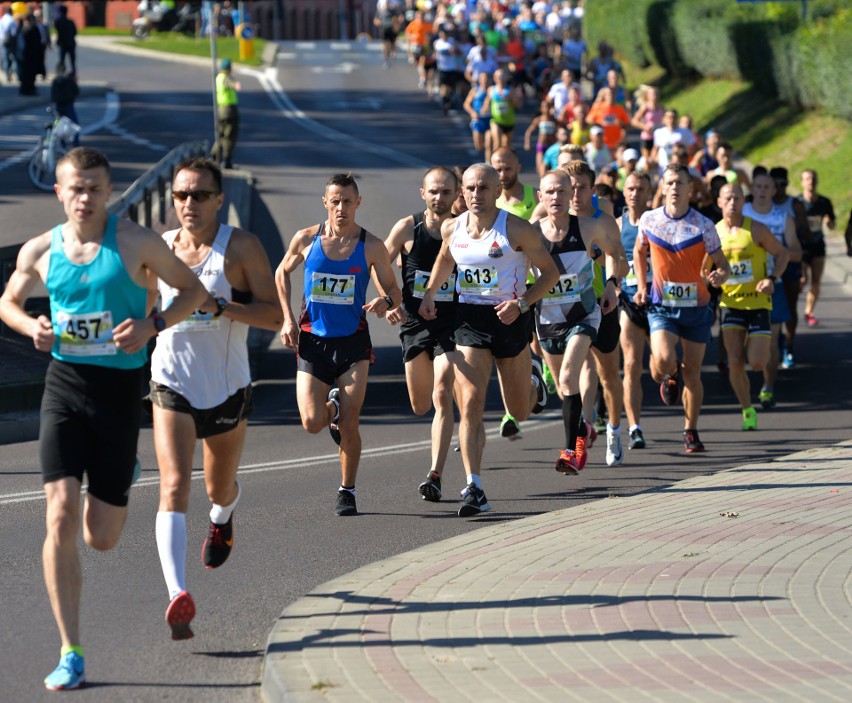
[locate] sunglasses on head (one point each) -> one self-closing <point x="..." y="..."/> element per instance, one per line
<point x="199" y="195"/>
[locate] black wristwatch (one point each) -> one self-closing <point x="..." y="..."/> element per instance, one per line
<point x="159" y="323"/>
<point x="773" y="279"/>
<point x="221" y="304"/>
<point x="613" y="279"/>
<point x="389" y="301"/>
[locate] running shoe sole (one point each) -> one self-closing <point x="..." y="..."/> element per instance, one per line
<point x="430" y="491"/>
<point x="179" y="614"/>
<point x="469" y="510"/>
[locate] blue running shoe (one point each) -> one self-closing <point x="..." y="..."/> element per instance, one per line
<point x="137" y="471"/>
<point x="70" y="674"/>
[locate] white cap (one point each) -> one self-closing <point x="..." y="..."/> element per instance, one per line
<point x="596" y="129"/>
<point x="630" y="155"/>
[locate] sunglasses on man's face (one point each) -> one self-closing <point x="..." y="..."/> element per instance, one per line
<point x="200" y="196"/>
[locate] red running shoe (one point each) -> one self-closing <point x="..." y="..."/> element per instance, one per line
<point x="179" y="614"/>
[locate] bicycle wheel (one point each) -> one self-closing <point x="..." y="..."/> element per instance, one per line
<point x="41" y="166"/>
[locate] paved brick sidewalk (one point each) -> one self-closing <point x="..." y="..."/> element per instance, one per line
<point x="729" y="587"/>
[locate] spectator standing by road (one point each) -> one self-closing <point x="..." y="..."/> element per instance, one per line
<point x="66" y="39"/>
<point x="8" y="32"/>
<point x="44" y="35"/>
<point x="229" y="116"/>
<point x="63" y="92"/>
<point x="29" y="54"/>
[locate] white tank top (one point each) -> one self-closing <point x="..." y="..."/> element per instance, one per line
<point x="489" y="270"/>
<point x="204" y="358"/>
<point x="775" y="219"/>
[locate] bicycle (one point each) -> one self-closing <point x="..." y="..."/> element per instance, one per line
<point x="50" y="148"/>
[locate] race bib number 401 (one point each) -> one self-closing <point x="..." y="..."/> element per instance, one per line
<point x="478" y="281"/>
<point x="333" y="288"/>
<point x="85" y="334"/>
<point x="680" y="295"/>
<point x="445" y="292"/>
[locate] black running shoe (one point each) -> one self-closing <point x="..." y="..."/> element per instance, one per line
<point x="509" y="427"/>
<point x="691" y="442"/>
<point x="344" y="506"/>
<point x="430" y="489"/>
<point x="637" y="441"/>
<point x="217" y="546"/>
<point x="333" y="429"/>
<point x="541" y="389"/>
<point x="474" y="502"/>
<point x="669" y="390"/>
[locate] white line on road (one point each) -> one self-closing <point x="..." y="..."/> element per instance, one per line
<point x="531" y="425"/>
<point x="268" y="79"/>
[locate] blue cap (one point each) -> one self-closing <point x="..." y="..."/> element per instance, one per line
<point x="225" y="64"/>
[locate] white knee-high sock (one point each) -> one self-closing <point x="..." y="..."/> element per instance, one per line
<point x="220" y="514"/>
<point x="171" y="544"/>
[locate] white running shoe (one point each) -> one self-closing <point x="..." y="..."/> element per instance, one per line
<point x="614" y="450"/>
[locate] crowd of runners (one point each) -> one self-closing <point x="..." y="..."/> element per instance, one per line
<point x="562" y="284"/>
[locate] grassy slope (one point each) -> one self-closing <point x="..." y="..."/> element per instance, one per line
<point x="766" y="131"/>
<point x="226" y="47"/>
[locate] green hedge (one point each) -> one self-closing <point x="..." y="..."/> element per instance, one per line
<point x="765" y="44"/>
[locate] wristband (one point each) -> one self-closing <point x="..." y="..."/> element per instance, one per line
<point x="613" y="279"/>
<point x="159" y="323"/>
<point x="773" y="279"/>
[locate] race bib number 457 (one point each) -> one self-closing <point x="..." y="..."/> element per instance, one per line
<point x="333" y="288"/>
<point x="85" y="334"/>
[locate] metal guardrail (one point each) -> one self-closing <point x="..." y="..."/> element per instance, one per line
<point x="153" y="185"/>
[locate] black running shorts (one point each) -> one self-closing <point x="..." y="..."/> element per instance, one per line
<point x="754" y="322"/>
<point x="435" y="337"/>
<point x="212" y="421"/>
<point x="328" y="358"/>
<point x="90" y="419"/>
<point x="608" y="333"/>
<point x="637" y="314"/>
<point x="479" y="327"/>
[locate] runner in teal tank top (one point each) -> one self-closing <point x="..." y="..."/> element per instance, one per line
<point x="95" y="269"/>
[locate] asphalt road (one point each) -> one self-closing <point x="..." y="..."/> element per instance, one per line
<point x="375" y="123"/>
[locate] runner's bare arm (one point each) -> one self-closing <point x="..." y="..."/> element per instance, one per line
<point x="154" y="255"/>
<point x="722" y="272"/>
<point x="380" y="262"/>
<point x="764" y="238"/>
<point x="399" y="240"/>
<point x="440" y="273"/>
<point x="26" y="276"/>
<point x="253" y="275"/>
<point x="791" y="241"/>
<point x="640" y="266"/>
<point x="524" y="237"/>
<point x="291" y="261"/>
<point x="608" y="239"/>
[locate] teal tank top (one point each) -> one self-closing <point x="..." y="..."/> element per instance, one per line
<point x="88" y="300"/>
